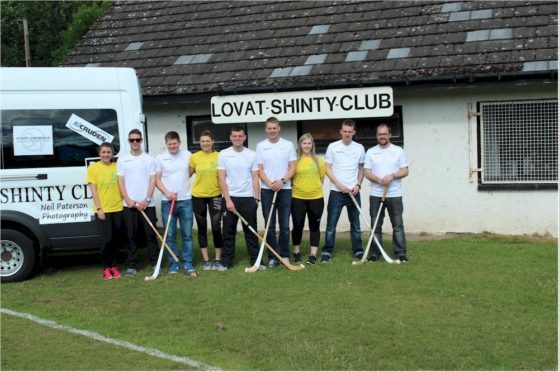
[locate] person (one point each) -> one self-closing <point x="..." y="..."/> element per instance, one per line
<point x="276" y="164"/>
<point x="107" y="207"/>
<point x="344" y="167"/>
<point x="136" y="182"/>
<point x="238" y="178"/>
<point x="307" y="197"/>
<point x="173" y="180"/>
<point x="206" y="198"/>
<point x="385" y="166"/>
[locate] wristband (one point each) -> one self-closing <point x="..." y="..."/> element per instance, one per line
<point x="358" y="185"/>
<point x="257" y="200"/>
<point x="284" y="181"/>
<point x="99" y="209"/>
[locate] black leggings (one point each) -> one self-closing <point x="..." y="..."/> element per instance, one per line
<point x="299" y="209"/>
<point x="214" y="206"/>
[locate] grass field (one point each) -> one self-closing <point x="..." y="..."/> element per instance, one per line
<point x="465" y="303"/>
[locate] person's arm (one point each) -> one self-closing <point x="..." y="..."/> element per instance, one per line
<point x="290" y="170"/>
<point x="357" y="187"/>
<point x="122" y="188"/>
<point x="164" y="190"/>
<point x="401" y="173"/>
<point x="256" y="185"/>
<point x="334" y="180"/>
<point x="191" y="171"/>
<point x="222" y="178"/>
<point x="97" y="201"/>
<point x="273" y="184"/>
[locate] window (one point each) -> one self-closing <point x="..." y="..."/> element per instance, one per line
<point x="197" y="124"/>
<point x="518" y="141"/>
<point x="68" y="147"/>
<point x="325" y="132"/>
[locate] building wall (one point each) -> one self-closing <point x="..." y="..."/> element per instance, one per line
<point x="439" y="195"/>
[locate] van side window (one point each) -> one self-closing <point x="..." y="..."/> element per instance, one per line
<point x="68" y="147"/>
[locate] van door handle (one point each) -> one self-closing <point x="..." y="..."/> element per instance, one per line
<point x="23" y="177"/>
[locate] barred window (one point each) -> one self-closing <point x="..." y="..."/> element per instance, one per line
<point x="519" y="142"/>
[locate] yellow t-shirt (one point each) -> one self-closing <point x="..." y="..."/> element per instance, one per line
<point x="306" y="181"/>
<point x="104" y="177"/>
<point x="206" y="184"/>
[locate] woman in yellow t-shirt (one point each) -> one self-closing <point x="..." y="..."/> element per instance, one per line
<point x="307" y="196"/>
<point x="206" y="198"/>
<point x="107" y="206"/>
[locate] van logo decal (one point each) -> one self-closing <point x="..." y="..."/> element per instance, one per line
<point x="88" y="130"/>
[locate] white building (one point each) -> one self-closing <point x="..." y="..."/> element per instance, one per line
<point x="475" y="90"/>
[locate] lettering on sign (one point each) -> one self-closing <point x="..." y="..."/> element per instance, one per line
<point x="304" y="105"/>
<point x="88" y="130"/>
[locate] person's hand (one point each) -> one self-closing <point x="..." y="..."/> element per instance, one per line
<point x="230" y="206"/>
<point x="385" y="181"/>
<point x="142" y="205"/>
<point x="355" y="190"/>
<point x="130" y="203"/>
<point x="277" y="185"/>
<point x="101" y="215"/>
<point x="171" y="196"/>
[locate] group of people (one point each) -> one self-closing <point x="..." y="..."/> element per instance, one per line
<point x="230" y="184"/>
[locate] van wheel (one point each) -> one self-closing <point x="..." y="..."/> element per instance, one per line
<point x="17" y="256"/>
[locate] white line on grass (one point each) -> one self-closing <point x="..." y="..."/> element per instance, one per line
<point x="114" y="341"/>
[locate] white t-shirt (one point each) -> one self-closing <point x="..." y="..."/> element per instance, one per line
<point x="383" y="161"/>
<point x="174" y="173"/>
<point x="136" y="171"/>
<point x="345" y="161"/>
<point x="238" y="167"/>
<point x="275" y="158"/>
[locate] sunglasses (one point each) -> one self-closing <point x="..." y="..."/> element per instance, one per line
<point x="132" y="140"/>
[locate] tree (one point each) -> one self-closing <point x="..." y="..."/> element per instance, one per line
<point x="54" y="28"/>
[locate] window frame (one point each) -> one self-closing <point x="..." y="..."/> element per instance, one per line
<point x="395" y="121"/>
<point x="505" y="186"/>
<point x="193" y="143"/>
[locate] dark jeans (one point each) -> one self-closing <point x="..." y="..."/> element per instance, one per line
<point x="213" y="206"/>
<point x="300" y="208"/>
<point x="136" y="225"/>
<point x="247" y="208"/>
<point x="395" y="209"/>
<point x="336" y="202"/>
<point x="282" y="210"/>
<point x="111" y="235"/>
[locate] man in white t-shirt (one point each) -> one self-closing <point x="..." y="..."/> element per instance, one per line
<point x="385" y="166"/>
<point x="344" y="167"/>
<point x="238" y="179"/>
<point x="136" y="182"/>
<point x="276" y="159"/>
<point x="173" y="180"/>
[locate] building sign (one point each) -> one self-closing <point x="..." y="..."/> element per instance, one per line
<point x="88" y="130"/>
<point x="304" y="105"/>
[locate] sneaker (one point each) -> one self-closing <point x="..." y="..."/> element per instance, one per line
<point x="325" y="259"/>
<point x="403" y="258"/>
<point x="115" y="272"/>
<point x="311" y="260"/>
<point x="107" y="274"/>
<point x="358" y="256"/>
<point x="174" y="268"/>
<point x="285" y="259"/>
<point x="222" y="268"/>
<point x="261" y="268"/>
<point x="130" y="272"/>
<point x="207" y="266"/>
<point x="373" y="258"/>
<point x="216" y="265"/>
<point x="188" y="267"/>
<point x="272" y="263"/>
<point x="191" y="273"/>
<point x="297" y="257"/>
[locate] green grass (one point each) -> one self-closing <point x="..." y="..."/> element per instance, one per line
<point x="466" y="303"/>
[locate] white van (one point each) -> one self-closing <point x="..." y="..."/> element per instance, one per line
<point x="53" y="120"/>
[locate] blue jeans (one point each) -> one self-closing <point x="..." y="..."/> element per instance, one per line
<point x="395" y="208"/>
<point x="283" y="210"/>
<point x="183" y="211"/>
<point x="336" y="202"/>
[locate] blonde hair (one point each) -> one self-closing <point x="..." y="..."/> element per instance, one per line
<point x="307" y="136"/>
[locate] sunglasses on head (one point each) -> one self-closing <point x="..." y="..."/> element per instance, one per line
<point x="131" y="140"/>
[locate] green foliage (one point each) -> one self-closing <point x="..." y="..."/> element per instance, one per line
<point x="54" y="28"/>
<point x="466" y="303"/>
